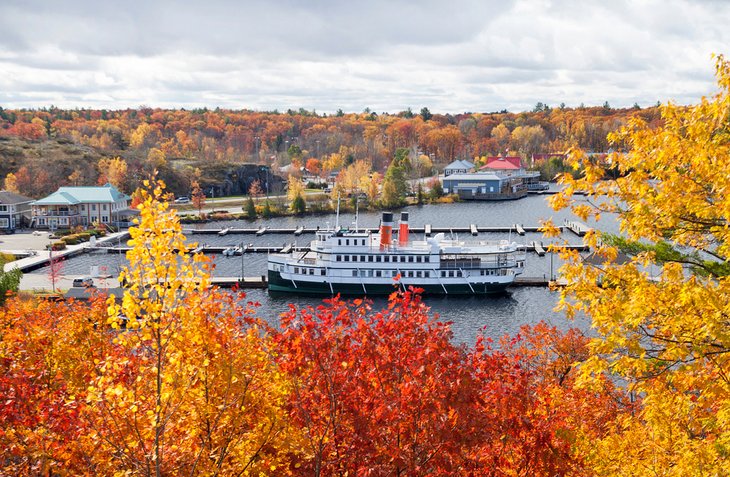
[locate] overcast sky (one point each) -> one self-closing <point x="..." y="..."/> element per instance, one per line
<point x="448" y="55"/>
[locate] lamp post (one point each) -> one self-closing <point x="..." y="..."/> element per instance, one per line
<point x="243" y="275"/>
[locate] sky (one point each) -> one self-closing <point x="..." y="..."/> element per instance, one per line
<point x="451" y="56"/>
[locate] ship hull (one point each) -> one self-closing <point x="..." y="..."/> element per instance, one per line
<point x="278" y="284"/>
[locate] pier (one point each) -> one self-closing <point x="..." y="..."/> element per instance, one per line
<point x="428" y="229"/>
<point x="578" y="228"/>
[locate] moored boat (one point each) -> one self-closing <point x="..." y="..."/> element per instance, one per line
<point x="353" y="262"/>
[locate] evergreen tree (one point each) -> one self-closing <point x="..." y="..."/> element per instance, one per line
<point x="250" y="208"/>
<point x="298" y="205"/>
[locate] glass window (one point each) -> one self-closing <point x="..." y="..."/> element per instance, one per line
<point x="338" y="258"/>
<point x="386" y="258"/>
<point x="370" y="258"/>
<point x="354" y="273"/>
<point x="378" y="258"/>
<point x="322" y="272"/>
<point x="347" y="258"/>
<point x="347" y="242"/>
<point x="410" y="258"/>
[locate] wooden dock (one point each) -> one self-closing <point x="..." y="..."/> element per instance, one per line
<point x="519" y="229"/>
<point x="428" y="230"/>
<point x="474" y="230"/>
<point x="537" y="246"/>
<point x="578" y="228"/>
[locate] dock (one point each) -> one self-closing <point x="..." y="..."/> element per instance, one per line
<point x="428" y="230"/>
<point x="519" y="229"/>
<point x="538" y="248"/>
<point x="578" y="228"/>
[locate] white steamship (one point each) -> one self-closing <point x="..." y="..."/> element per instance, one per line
<point x="353" y="262"/>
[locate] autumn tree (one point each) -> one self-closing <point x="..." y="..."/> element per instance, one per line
<point x="113" y="171"/>
<point x="189" y="387"/>
<point x="661" y="317"/>
<point x="198" y="196"/>
<point x="11" y="183"/>
<point x="9" y="280"/>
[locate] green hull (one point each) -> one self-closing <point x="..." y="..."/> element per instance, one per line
<point x="277" y="284"/>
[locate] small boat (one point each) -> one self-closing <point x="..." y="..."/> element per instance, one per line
<point x="231" y="250"/>
<point x="224" y="231"/>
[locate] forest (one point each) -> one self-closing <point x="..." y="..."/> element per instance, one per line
<point x="50" y="147"/>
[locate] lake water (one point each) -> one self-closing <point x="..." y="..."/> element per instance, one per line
<point x="496" y="315"/>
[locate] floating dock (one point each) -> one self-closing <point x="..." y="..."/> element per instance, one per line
<point x="578" y="228"/>
<point x="428" y="229"/>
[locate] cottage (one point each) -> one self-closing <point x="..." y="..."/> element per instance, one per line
<point x="511" y="166"/>
<point x="72" y="206"/>
<point x="458" y="167"/>
<point x="14" y="210"/>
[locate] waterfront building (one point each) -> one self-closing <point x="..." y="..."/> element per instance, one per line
<point x="14" y="210"/>
<point x="72" y="206"/>
<point x="458" y="167"/>
<point x="484" y="186"/>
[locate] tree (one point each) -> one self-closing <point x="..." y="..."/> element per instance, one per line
<point x="113" y="171"/>
<point x="376" y="393"/>
<point x="314" y="166"/>
<point x="250" y="208"/>
<point x="436" y="190"/>
<point x="661" y="318"/>
<point x="255" y="189"/>
<point x="426" y="114"/>
<point x="10" y="280"/>
<point x="11" y="183"/>
<point x="55" y="268"/>
<point x="198" y="197"/>
<point x="189" y="387"/>
<point x="298" y="205"/>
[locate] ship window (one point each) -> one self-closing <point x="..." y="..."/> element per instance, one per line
<point x="354" y="273"/>
<point x="386" y="259"/>
<point x="451" y="273"/>
<point x="393" y="273"/>
<point x="347" y="242"/>
<point x="458" y="273"/>
<point x="311" y="271"/>
<point x="322" y="272"/>
<point x="362" y="258"/>
<point x="427" y="274"/>
<point x="296" y="269"/>
<point x="418" y="274"/>
<point x="378" y="273"/>
<point x="370" y="258"/>
<point x="355" y="258"/>
<point x="418" y="259"/>
<point x="339" y="242"/>
<point x="410" y="258"/>
<point x="378" y="258"/>
<point x="347" y="258"/>
<point x="443" y="274"/>
<point x="338" y="258"/>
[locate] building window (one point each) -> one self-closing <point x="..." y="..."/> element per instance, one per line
<point x="93" y="207"/>
<point x="3" y="208"/>
<point x="4" y="223"/>
<point x="103" y="207"/>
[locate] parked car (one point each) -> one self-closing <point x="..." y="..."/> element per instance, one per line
<point x="182" y="200"/>
<point x="82" y="282"/>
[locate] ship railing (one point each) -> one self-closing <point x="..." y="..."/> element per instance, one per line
<point x="476" y="264"/>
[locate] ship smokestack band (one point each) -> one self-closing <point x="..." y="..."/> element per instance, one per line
<point x="403" y="230"/>
<point x="386" y="230"/>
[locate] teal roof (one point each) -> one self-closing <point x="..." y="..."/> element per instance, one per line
<point x="83" y="195"/>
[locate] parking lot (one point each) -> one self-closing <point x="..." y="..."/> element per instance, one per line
<point x="25" y="240"/>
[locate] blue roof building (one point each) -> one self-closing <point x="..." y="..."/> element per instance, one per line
<point x="72" y="206"/>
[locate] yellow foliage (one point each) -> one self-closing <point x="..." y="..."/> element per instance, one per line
<point x="661" y="326"/>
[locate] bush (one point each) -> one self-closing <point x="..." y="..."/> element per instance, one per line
<point x="57" y="246"/>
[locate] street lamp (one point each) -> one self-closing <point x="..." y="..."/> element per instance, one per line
<point x="243" y="275"/>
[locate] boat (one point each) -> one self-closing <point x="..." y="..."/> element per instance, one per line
<point x="354" y="262"/>
<point x="232" y="250"/>
<point x="224" y="231"/>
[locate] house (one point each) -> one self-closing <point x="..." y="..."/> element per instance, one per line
<point x="14" y="210"/>
<point x="484" y="186"/>
<point x="458" y="167"/>
<point x="72" y="206"/>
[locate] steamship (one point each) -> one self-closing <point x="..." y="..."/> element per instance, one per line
<point x="353" y="262"/>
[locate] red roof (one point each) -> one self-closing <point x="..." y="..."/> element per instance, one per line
<point x="503" y="163"/>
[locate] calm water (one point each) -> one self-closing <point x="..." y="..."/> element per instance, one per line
<point x="496" y="315"/>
